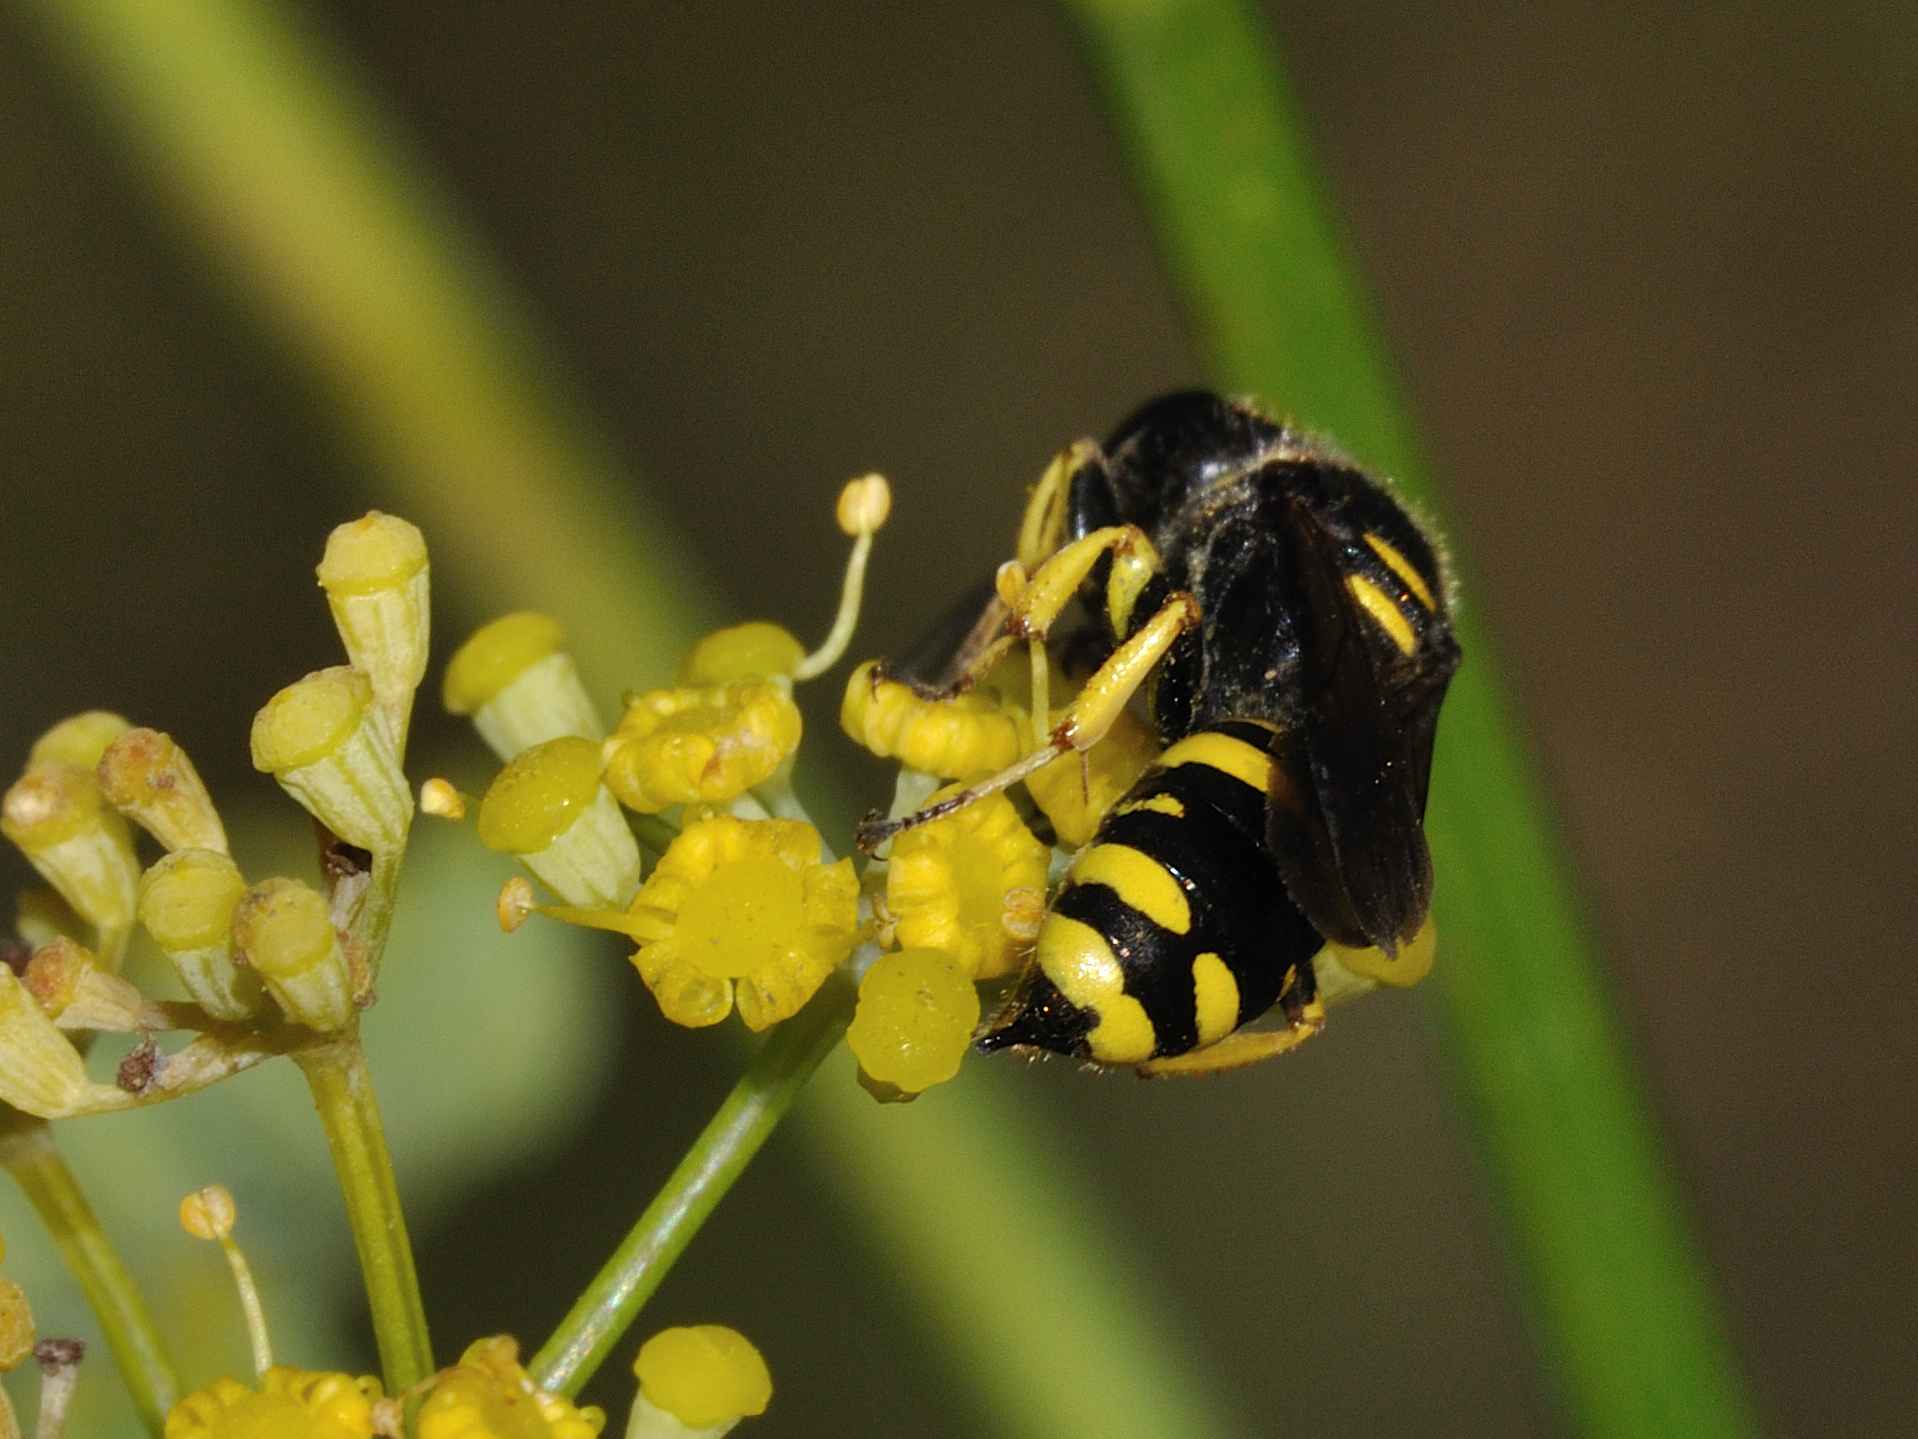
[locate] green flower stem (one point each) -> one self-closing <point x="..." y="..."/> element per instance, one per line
<point x="1629" y="1324"/>
<point x="750" y="1113"/>
<point x="342" y="1090"/>
<point x="375" y="920"/>
<point x="27" y="1149"/>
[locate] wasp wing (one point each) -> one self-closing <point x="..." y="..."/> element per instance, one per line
<point x="1346" y="815"/>
<point x="942" y="660"/>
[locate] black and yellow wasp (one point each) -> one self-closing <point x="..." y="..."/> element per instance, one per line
<point x="1287" y="622"/>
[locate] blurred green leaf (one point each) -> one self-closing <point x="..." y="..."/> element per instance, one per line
<point x="1629" y="1326"/>
<point x="251" y="132"/>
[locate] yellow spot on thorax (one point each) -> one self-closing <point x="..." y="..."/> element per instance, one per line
<point x="1246" y="763"/>
<point x="1138" y="879"/>
<point x="1376" y="603"/>
<point x="1216" y="998"/>
<point x="1396" y="562"/>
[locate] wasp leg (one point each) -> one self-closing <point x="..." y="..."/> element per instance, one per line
<point x="1240" y="1048"/>
<point x="1073" y="495"/>
<point x="1106" y="693"/>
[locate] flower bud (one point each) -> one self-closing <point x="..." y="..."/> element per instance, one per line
<point x="150" y="780"/>
<point x="282" y="929"/>
<point x="755" y="650"/>
<point x="186" y="903"/>
<point x="79" y="739"/>
<point x="706" y="1376"/>
<point x="57" y="816"/>
<point x="77" y="993"/>
<point x="40" y="1071"/>
<point x="375" y="575"/>
<point x="328" y="745"/>
<point x="549" y="808"/>
<point x="520" y="685"/>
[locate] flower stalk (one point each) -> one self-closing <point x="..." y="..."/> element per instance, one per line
<point x="743" y="1123"/>
<point x="27" y="1150"/>
<point x="342" y="1090"/>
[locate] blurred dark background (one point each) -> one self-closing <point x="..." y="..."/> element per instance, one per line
<point x="1649" y="282"/>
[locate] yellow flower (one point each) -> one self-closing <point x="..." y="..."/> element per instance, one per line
<point x="706" y="1376"/>
<point x="711" y="745"/>
<point x="1075" y="791"/>
<point x="971" y="885"/>
<point x="915" y="1020"/>
<point x="745" y="903"/>
<point x="964" y="737"/>
<point x="289" y="1404"/>
<point x="488" y="1395"/>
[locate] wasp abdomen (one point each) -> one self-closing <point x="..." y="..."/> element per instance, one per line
<point x="1173" y="927"/>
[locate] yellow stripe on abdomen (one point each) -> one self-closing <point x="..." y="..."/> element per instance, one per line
<point x="1077" y="959"/>
<point x="1216" y="998"/>
<point x="1139" y="880"/>
<point x="1154" y="804"/>
<point x="1244" y="762"/>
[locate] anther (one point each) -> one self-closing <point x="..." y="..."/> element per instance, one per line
<point x="863" y="506"/>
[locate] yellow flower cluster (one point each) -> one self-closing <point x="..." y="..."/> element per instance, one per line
<point x="487" y="1395"/>
<point x="744" y="908"/>
<point x="287" y="1404"/>
<point x="256" y="959"/>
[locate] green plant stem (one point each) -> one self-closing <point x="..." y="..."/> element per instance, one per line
<point x="750" y="1113"/>
<point x="375" y="919"/>
<point x="342" y="1090"/>
<point x="27" y="1149"/>
<point x="1629" y="1324"/>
